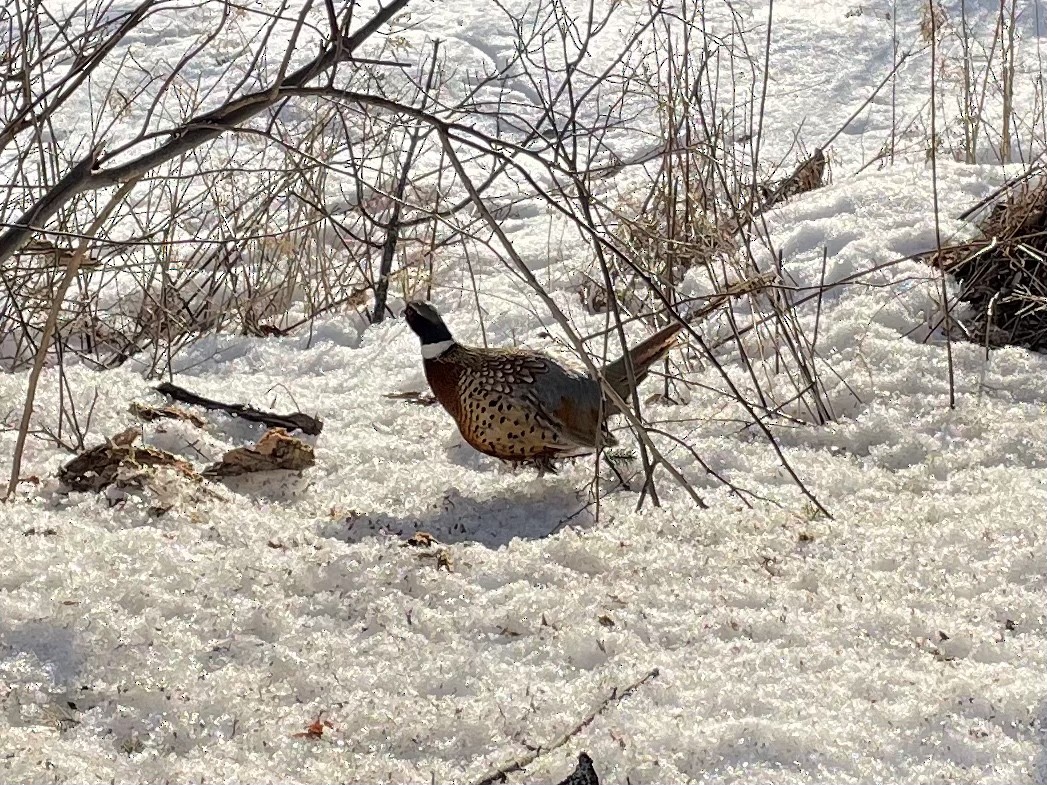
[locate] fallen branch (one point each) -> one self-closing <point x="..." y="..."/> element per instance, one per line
<point x="521" y="762"/>
<point x="295" y="421"/>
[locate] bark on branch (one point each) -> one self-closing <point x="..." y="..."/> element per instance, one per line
<point x="90" y="174"/>
<point x="294" y="421"/>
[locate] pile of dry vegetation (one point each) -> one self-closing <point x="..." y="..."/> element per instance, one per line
<point x="1003" y="271"/>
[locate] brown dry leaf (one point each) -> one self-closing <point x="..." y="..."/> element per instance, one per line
<point x="932" y="20"/>
<point x="593" y="296"/>
<point x="276" y="450"/>
<point x="807" y="176"/>
<point x="126" y="437"/>
<point x="315" y="729"/>
<point x="153" y="413"/>
<point x="119" y="461"/>
<point x="444" y="561"/>
<point x="419" y="540"/>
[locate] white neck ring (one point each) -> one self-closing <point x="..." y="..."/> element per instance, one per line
<point x="430" y="351"/>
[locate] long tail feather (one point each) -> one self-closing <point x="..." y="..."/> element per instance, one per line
<point x="643" y="356"/>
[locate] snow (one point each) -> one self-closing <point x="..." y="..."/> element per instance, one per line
<point x="194" y="631"/>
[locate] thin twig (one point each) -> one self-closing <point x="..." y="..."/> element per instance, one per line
<point x="521" y="762"/>
<point x="71" y="269"/>
<point x="203" y="128"/>
<point x="937" y="215"/>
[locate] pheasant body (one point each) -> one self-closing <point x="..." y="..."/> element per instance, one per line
<point x="521" y="405"/>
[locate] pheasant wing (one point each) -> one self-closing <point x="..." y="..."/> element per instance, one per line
<point x="570" y="403"/>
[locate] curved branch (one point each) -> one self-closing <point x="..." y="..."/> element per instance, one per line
<point x="87" y="176"/>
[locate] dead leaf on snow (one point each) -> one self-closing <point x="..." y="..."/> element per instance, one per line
<point x="419" y="540"/>
<point x="276" y="450"/>
<point x="119" y="461"/>
<point x="152" y="413"/>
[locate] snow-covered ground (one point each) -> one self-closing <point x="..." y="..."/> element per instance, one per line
<point x="902" y="640"/>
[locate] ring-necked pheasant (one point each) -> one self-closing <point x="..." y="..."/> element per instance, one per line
<point x="521" y="405"/>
